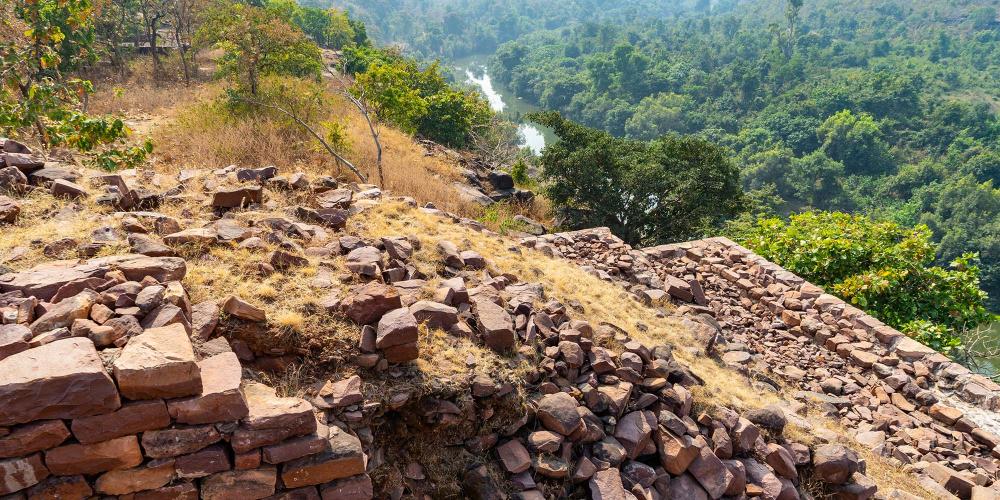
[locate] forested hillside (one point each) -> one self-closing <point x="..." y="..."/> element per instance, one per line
<point x="882" y="108"/>
<point x="455" y="28"/>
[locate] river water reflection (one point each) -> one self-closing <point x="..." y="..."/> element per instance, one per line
<point x="473" y="71"/>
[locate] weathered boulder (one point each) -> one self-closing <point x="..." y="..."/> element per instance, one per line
<point x="243" y="484"/>
<point x="63" y="314"/>
<point x="20" y="473"/>
<point x="239" y="308"/>
<point x="495" y="324"/>
<point x="711" y="473"/>
<point x="335" y="199"/>
<point x="124" y="481"/>
<point x="44" y="280"/>
<point x="9" y="210"/>
<point x="36" y="436"/>
<point x="23" y="161"/>
<point x="366" y="261"/>
<point x="368" y="303"/>
<point x="434" y="314"/>
<point x="396" y="327"/>
<point x="294" y="448"/>
<point x="350" y="488"/>
<point x="203" y="462"/>
<point x="271" y="419"/>
<point x="192" y="236"/>
<point x="834" y="463"/>
<point x="63" y="379"/>
<point x="514" y="456"/>
<point x="635" y="432"/>
<point x="342" y="393"/>
<point x="159" y="363"/>
<point x="12" y="179"/>
<point x="14" y="338"/>
<point x="137" y="267"/>
<point x="181" y="440"/>
<point x="62" y="188"/>
<point x="61" y="487"/>
<point x="607" y="485"/>
<point x="237" y="197"/>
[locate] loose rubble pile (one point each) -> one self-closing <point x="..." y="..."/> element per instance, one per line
<point x="900" y="398"/>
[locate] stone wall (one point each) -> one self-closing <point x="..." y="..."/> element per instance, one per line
<point x="899" y="397"/>
<point x="117" y="389"/>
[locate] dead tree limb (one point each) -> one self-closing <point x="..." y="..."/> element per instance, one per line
<point x="306" y="126"/>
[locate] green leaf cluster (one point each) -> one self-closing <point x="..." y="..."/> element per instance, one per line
<point x="418" y="100"/>
<point x="37" y="96"/>
<point x="648" y="192"/>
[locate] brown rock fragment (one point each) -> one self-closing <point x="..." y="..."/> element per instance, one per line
<point x="159" y="363"/>
<point x="20" y="473"/>
<point x="203" y="462"/>
<point x="36" y="436"/>
<point x="117" y="453"/>
<point x="345" y="458"/>
<point x="349" y="488"/>
<point x="62" y="488"/>
<point x="271" y="419"/>
<point x="124" y="481"/>
<point x="178" y="440"/>
<point x="64" y="379"/>
<point x="240" y="484"/>
<point x="131" y="418"/>
<point x="220" y="400"/>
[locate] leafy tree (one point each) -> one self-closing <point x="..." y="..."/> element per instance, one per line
<point x="983" y="17"/>
<point x="856" y="141"/>
<point x="672" y="188"/>
<point x="395" y="96"/>
<point x="36" y="93"/>
<point x="883" y="268"/>
<point x="816" y="181"/>
<point x="419" y="100"/>
<point x="658" y="115"/>
<point x="452" y="115"/>
<point x="256" y="43"/>
<point x="329" y="28"/>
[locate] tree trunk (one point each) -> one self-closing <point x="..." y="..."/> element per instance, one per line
<point x="151" y="34"/>
<point x="183" y="53"/>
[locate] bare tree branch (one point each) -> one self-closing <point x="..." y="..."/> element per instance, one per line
<point x="306" y="126"/>
<point x="371" y="117"/>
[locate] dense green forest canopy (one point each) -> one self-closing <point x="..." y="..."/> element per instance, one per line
<point x="450" y="29"/>
<point x="885" y="108"/>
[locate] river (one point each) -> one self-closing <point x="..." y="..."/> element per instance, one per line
<point x="473" y="70"/>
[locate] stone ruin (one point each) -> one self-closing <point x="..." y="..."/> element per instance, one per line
<point x="113" y="383"/>
<point x="899" y="398"/>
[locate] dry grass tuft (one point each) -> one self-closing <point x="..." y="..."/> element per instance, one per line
<point x="202" y="134"/>
<point x="45" y="218"/>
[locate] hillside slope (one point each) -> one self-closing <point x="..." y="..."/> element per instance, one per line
<point x="414" y="351"/>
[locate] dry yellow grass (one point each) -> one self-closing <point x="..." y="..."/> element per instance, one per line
<point x="45" y="218"/>
<point x="199" y="135"/>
